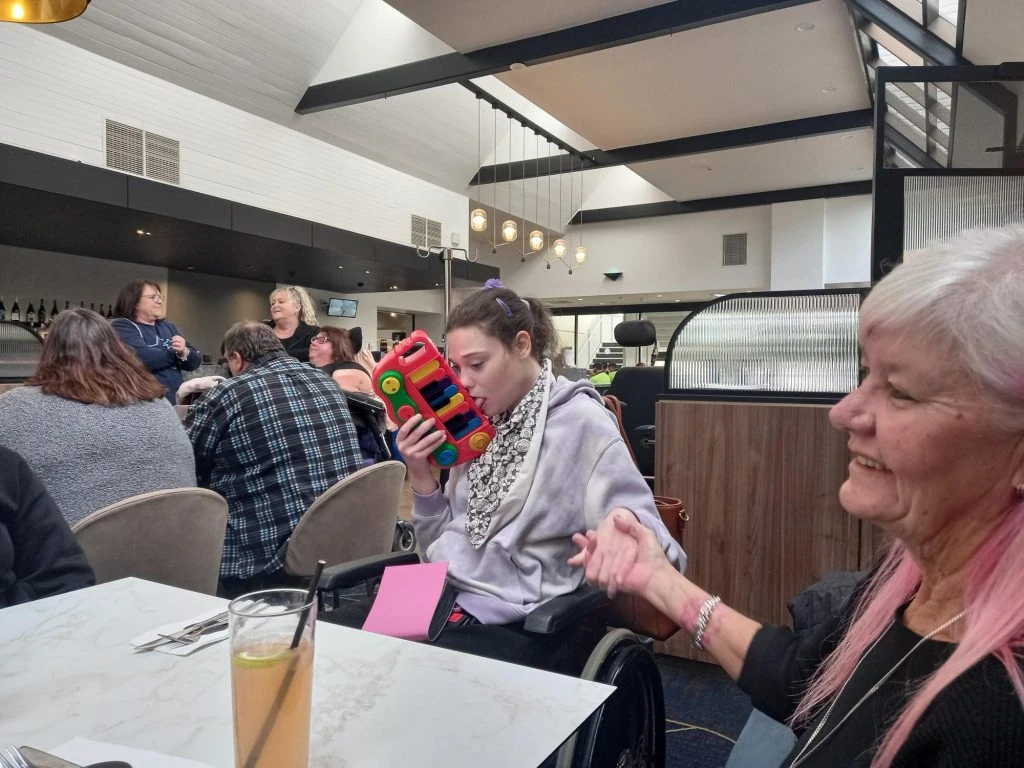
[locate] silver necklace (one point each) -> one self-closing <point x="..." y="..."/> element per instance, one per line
<point x="808" y="749"/>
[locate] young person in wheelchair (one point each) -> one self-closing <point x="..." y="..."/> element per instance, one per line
<point x="557" y="466"/>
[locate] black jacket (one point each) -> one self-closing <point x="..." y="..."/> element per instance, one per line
<point x="39" y="556"/>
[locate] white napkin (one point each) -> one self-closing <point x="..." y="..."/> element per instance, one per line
<point x="180" y="649"/>
<point x="84" y="752"/>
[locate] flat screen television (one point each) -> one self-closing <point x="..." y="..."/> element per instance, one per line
<point x="342" y="307"/>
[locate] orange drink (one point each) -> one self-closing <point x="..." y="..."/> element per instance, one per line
<point x="271" y="682"/>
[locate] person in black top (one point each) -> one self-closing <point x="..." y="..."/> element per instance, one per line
<point x="331" y="351"/>
<point x="39" y="556"/>
<point x="923" y="666"/>
<point x="293" y="318"/>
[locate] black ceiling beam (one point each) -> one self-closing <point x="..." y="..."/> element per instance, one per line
<point x="644" y="24"/>
<point x="520" y="118"/>
<point x="690" y="145"/>
<point x="675" y="208"/>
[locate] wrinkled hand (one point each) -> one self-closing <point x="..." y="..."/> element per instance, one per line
<point x="621" y="556"/>
<point x="179" y="345"/>
<point x="416" y="442"/>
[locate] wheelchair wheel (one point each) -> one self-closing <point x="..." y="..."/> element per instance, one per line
<point x="405" y="537"/>
<point x="628" y="731"/>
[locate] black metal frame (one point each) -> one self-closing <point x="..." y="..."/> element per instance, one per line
<point x="786" y="130"/>
<point x="753" y="396"/>
<point x="749" y="200"/>
<point x="888" y="193"/>
<point x="636" y="26"/>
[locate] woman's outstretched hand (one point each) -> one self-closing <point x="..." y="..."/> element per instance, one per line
<point x="621" y="555"/>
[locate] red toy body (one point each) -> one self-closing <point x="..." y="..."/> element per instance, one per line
<point x="415" y="378"/>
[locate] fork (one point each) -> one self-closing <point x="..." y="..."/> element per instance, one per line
<point x="177" y="637"/>
<point x="11" y="758"/>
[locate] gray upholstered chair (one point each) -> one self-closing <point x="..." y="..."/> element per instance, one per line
<point x="352" y="519"/>
<point x="172" y="537"/>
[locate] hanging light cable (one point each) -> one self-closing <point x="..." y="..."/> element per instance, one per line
<point x="547" y="213"/>
<point x="478" y="217"/>
<point x="522" y="218"/>
<point x="581" y="250"/>
<point x="559" y="246"/>
<point x="509" y="230"/>
<point x="536" y="237"/>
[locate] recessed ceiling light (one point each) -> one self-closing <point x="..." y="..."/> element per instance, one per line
<point x="829" y="89"/>
<point x="340" y="266"/>
<point x="140" y="232"/>
<point x="678" y="300"/>
<point x="804" y="27"/>
<point x="367" y="271"/>
<point x="516" y="66"/>
<point x="659" y="295"/>
<point x="579" y="299"/>
<point x="437" y="285"/>
<point x="718" y="295"/>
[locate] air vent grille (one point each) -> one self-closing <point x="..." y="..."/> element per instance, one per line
<point x="734" y="250"/>
<point x="426" y="233"/>
<point x="163" y="158"/>
<point x="124" y="148"/>
<point x="134" y="150"/>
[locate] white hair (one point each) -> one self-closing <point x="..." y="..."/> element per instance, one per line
<point x="967" y="294"/>
<point x="307" y="309"/>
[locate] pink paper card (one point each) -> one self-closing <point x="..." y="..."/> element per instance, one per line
<point x="406" y="600"/>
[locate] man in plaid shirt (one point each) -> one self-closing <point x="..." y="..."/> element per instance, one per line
<point x="270" y="440"/>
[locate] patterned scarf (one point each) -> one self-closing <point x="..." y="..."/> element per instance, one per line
<point x="492" y="474"/>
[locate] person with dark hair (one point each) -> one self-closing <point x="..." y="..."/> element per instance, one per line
<point x="92" y="421"/>
<point x="601" y="378"/>
<point x="142" y="325"/>
<point x="557" y="466"/>
<point x="922" y="667"/>
<point x="331" y="351"/>
<point x="270" y="440"/>
<point x="39" y="556"/>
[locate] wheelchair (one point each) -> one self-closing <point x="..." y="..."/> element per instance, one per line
<point x="627" y="731"/>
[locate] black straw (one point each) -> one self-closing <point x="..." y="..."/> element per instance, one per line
<point x="282" y="692"/>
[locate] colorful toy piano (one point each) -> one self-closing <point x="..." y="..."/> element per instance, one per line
<point x="415" y="378"/>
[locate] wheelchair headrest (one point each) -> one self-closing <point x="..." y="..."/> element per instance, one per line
<point x="636" y="333"/>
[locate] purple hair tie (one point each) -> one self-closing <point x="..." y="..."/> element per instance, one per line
<point x="493" y="283"/>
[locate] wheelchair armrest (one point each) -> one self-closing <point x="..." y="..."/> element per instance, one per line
<point x="356" y="572"/>
<point x="647" y="430"/>
<point x="566" y="610"/>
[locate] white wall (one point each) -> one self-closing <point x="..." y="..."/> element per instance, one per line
<point x="798" y="245"/>
<point x="28" y="274"/>
<point x="667" y="253"/>
<point x="56" y="97"/>
<point x="848" y="240"/>
<point x="205" y="306"/>
<point x="428" y="306"/>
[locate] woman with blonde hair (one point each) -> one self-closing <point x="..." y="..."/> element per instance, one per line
<point x="923" y="666"/>
<point x="293" y="318"/>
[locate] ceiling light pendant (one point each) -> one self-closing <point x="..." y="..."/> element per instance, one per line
<point x="41" y="11"/>
<point x="478" y="220"/>
<point x="509" y="231"/>
<point x="581" y="254"/>
<point x="536" y="240"/>
<point x="560" y="248"/>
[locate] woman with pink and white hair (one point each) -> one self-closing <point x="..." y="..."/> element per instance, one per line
<point x="923" y="666"/>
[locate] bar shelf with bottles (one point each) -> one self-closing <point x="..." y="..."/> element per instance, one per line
<point x="38" y="318"/>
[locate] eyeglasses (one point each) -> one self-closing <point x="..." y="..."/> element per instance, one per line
<point x="319" y="339"/>
<point x="153" y="296"/>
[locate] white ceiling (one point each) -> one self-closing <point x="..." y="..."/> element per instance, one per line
<point x="740" y="73"/>
<point x="467" y="25"/>
<point x="803" y="162"/>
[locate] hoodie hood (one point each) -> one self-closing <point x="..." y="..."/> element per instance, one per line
<point x="563" y="391"/>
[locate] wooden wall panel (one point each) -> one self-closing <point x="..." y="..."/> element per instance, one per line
<point x="760" y="483"/>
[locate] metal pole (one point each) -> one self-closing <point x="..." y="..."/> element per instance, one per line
<point x="446" y="257"/>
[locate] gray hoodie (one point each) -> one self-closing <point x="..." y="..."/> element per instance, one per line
<point x="581" y="472"/>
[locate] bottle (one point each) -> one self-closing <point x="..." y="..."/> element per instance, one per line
<point x="41" y="314"/>
<point x="67" y="305"/>
<point x="81" y="305"/>
<point x="102" y="313"/>
<point x="92" y="306"/>
<point x="16" y="311"/>
<point x="3" y="312"/>
<point x="110" y="311"/>
<point x="54" y="311"/>
<point x="30" y="316"/>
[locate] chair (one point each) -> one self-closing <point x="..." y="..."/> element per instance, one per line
<point x="353" y="519"/>
<point x="173" y="537"/>
<point x="639" y="390"/>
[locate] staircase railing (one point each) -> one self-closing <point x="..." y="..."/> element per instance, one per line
<point x="601" y="333"/>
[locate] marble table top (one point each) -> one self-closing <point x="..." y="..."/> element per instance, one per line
<point x="66" y="671"/>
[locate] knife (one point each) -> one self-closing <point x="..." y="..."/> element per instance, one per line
<point x="38" y="759"/>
